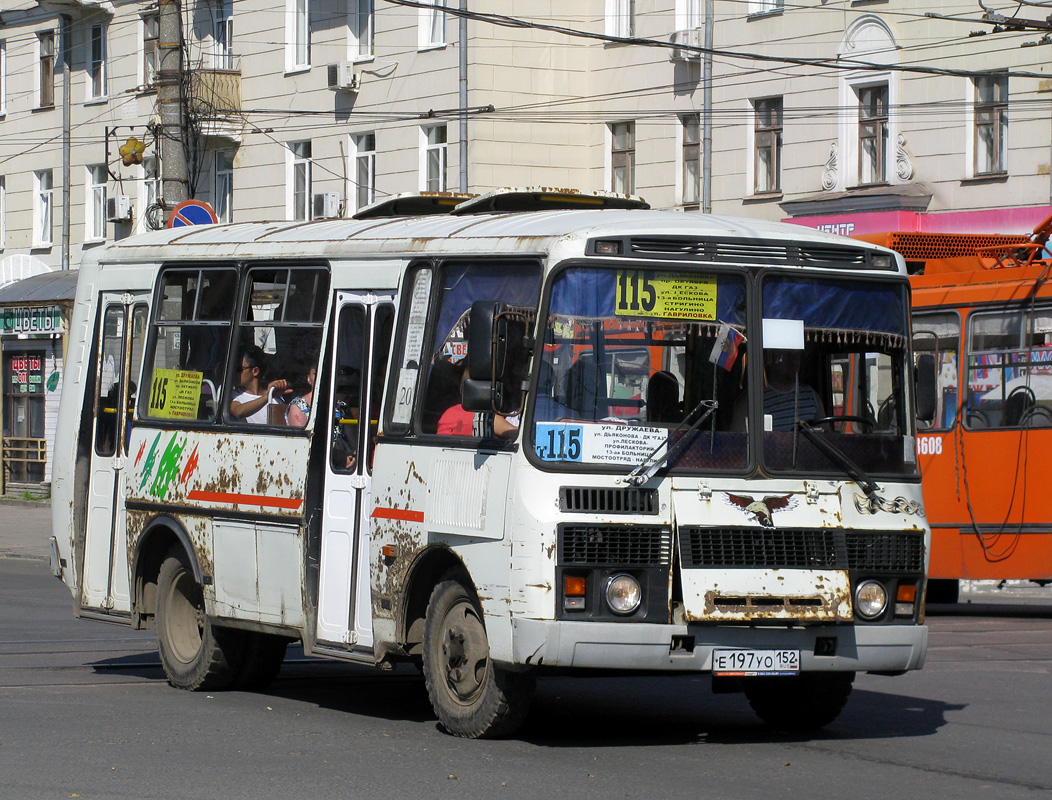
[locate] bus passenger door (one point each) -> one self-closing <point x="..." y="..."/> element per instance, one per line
<point x="104" y="581"/>
<point x="363" y="342"/>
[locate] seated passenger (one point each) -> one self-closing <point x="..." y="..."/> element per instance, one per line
<point x="253" y="394"/>
<point x="785" y="399"/>
<point x="299" y="406"/>
<point x="458" y="421"/>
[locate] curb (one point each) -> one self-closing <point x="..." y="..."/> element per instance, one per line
<point x="12" y="501"/>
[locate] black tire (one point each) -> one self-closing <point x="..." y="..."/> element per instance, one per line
<point x="943" y="590"/>
<point x="196" y="655"/>
<point x="262" y="655"/>
<point x="472" y="697"/>
<point x="803" y="703"/>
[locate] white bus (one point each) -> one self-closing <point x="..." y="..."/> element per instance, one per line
<point x="542" y="431"/>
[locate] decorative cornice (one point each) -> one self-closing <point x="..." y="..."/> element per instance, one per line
<point x="896" y="197"/>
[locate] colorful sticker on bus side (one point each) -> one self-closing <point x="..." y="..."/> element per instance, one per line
<point x="167" y="464"/>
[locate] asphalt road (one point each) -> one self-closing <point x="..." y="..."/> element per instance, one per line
<point x="85" y="712"/>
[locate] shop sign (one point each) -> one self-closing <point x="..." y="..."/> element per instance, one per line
<point x="27" y="374"/>
<point x="31" y="319"/>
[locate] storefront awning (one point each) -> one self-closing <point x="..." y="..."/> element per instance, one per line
<point x="45" y="288"/>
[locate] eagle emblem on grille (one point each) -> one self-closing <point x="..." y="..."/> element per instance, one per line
<point x="761" y="510"/>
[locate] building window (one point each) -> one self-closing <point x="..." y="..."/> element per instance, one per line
<point x="222" y="35"/>
<point x="299" y="180"/>
<point x="43" y="207"/>
<point x="151" y="193"/>
<point x="364" y="145"/>
<point x="991" y="124"/>
<point x="765" y="6"/>
<point x="46" y="69"/>
<point x="3" y="77"/>
<point x="619" y="15"/>
<point x="361" y="26"/>
<point x="623" y="157"/>
<point x="768" y="132"/>
<point x="873" y="134"/>
<point x="434" y="166"/>
<point x="95" y="203"/>
<point x="97" y="63"/>
<point x="223" y="185"/>
<point x="151" y="54"/>
<point x="688" y="14"/>
<point x="298" y="34"/>
<point x="432" y="24"/>
<point x="691" y="156"/>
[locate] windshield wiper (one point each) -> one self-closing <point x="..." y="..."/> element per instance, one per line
<point x="652" y="463"/>
<point x="840" y="458"/>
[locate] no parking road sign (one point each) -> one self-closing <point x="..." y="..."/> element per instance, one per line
<point x="192" y="212"/>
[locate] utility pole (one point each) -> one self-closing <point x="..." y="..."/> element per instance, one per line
<point x="706" y="114"/>
<point x="175" y="178"/>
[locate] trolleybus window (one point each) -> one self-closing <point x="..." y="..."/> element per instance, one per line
<point x="187" y="362"/>
<point x="1010" y="369"/>
<point x="939" y="335"/>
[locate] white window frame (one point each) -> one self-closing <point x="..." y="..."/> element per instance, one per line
<point x="361" y="19"/>
<point x="223" y="185"/>
<point x="95" y="75"/>
<point x="620" y="18"/>
<point x="95" y="202"/>
<point x="3" y="78"/>
<point x="362" y="158"/>
<point x="297" y="35"/>
<point x="43" y="208"/>
<point x="612" y="152"/>
<point x="48" y="59"/>
<point x="972" y="104"/>
<point x="689" y="14"/>
<point x="758" y="7"/>
<point x="431" y="27"/>
<point x="299" y="168"/>
<point x="685" y="148"/>
<point x="754" y="151"/>
<point x="222" y="34"/>
<point x="151" y="183"/>
<point x="150" y="62"/>
<point x="434" y="153"/>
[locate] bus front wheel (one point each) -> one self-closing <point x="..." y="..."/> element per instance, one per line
<point x="195" y="654"/>
<point x="472" y="697"/>
<point x="802" y="703"/>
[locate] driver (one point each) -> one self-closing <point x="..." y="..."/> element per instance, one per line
<point x="785" y="399"/>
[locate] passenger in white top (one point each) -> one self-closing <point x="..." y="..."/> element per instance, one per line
<point x="253" y="396"/>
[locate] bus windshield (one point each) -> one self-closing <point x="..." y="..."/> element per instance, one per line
<point x="637" y="364"/>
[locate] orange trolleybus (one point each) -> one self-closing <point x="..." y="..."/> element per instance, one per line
<point x="982" y="312"/>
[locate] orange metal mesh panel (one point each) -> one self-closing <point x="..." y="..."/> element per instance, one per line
<point x="923" y="246"/>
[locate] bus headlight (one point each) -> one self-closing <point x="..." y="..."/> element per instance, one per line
<point x="871" y="598"/>
<point x="623" y="594"/>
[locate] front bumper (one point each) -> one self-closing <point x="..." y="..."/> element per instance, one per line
<point x="599" y="645"/>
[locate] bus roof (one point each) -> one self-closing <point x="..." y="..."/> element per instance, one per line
<point x="522" y="232"/>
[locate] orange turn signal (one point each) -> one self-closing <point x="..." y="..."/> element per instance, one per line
<point x="907" y="593"/>
<point x="573" y="587"/>
<point x="389" y="551"/>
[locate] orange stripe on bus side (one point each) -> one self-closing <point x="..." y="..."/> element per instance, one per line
<point x="403" y="514"/>
<point x="290" y="503"/>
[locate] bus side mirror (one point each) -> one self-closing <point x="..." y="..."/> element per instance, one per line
<point x="926" y="387"/>
<point x="497" y="358"/>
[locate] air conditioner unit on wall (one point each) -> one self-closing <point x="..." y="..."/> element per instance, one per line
<point x="118" y="208"/>
<point x="343" y="78"/>
<point x="692" y="37"/>
<point x="326" y="205"/>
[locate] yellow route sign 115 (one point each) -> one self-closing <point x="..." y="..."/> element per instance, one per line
<point x="670" y="295"/>
<point x="175" y="394"/>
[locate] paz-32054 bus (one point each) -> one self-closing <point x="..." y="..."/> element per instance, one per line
<point x="542" y="430"/>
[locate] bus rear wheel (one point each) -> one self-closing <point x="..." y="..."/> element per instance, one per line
<point x="472" y="697"/>
<point x="262" y="655"/>
<point x="195" y="654"/>
<point x="802" y="703"/>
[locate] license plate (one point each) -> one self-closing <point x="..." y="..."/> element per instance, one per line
<point x="754" y="663"/>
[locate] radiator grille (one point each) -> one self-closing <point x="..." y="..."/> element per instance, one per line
<point x="599" y="500"/>
<point x="820" y="548"/>
<point x="621" y="545"/>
